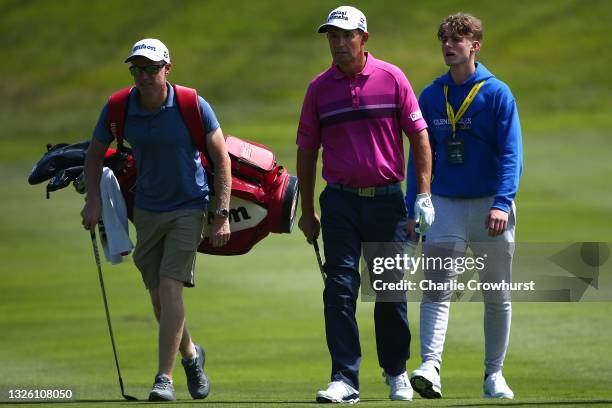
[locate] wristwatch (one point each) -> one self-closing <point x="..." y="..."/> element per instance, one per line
<point x="222" y="212"/>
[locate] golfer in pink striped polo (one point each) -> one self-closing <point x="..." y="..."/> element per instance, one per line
<point x="356" y="111"/>
<point x="359" y="121"/>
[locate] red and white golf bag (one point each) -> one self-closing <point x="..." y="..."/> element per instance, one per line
<point x="263" y="198"/>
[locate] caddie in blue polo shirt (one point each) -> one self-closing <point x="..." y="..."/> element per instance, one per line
<point x="171" y="199"/>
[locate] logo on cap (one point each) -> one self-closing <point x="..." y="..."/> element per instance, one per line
<point x="337" y="15"/>
<point x="144" y="47"/>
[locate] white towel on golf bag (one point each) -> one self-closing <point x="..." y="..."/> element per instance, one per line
<point x="114" y="217"/>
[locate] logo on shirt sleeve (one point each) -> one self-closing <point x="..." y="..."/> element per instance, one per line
<point x="416" y="115"/>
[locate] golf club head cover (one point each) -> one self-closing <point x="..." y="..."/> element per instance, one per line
<point x="56" y="159"/>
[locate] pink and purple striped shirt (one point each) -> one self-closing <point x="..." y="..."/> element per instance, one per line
<point x="359" y="123"/>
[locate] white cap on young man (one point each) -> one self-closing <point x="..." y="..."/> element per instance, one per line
<point x="152" y="49"/>
<point x="346" y="18"/>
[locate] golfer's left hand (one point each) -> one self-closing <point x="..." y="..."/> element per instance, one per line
<point x="220" y="232"/>
<point x="424" y="212"/>
<point x="496" y="222"/>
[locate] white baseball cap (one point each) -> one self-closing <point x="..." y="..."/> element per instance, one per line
<point x="346" y="18"/>
<point x="152" y="49"/>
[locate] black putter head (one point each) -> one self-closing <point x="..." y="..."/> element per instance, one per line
<point x="129" y="397"/>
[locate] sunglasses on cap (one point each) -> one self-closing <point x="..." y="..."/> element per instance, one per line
<point x="135" y="70"/>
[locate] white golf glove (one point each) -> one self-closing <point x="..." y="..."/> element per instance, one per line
<point x="424" y="212"/>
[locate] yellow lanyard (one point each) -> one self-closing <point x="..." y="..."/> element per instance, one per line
<point x="464" y="106"/>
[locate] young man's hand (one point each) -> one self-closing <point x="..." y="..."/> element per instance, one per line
<point x="496" y="222"/>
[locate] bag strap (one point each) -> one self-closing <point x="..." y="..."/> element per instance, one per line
<point x="189" y="105"/>
<point x="116" y="113"/>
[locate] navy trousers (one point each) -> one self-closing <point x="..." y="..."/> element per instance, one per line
<point x="347" y="220"/>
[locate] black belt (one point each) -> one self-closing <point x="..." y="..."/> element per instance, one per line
<point x="369" y="191"/>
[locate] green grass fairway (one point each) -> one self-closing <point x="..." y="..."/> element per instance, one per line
<point x="260" y="315"/>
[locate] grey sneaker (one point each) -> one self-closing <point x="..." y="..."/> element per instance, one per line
<point x="197" y="381"/>
<point x="162" y="389"/>
<point x="495" y="386"/>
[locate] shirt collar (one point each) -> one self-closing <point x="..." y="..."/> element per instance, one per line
<point x="170" y="98"/>
<point x="134" y="107"/>
<point x="367" y="70"/>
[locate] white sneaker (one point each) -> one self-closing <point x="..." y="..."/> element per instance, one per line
<point x="339" y="392"/>
<point x="400" y="389"/>
<point x="426" y="381"/>
<point x="495" y="386"/>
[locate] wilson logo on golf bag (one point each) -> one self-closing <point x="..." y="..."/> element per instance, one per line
<point x="263" y="197"/>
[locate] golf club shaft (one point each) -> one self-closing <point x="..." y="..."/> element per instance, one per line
<point x="315" y="244"/>
<point x="108" y="320"/>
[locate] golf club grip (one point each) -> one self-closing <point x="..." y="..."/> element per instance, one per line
<point x="315" y="244"/>
<point x="94" y="243"/>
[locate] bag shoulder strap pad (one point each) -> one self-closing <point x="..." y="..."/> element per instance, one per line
<point x="189" y="105"/>
<point x="116" y="112"/>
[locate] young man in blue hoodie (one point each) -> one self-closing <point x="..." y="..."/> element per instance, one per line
<point x="475" y="136"/>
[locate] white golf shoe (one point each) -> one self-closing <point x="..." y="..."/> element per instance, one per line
<point x="426" y="381"/>
<point x="399" y="387"/>
<point x="495" y="386"/>
<point x="338" y="392"/>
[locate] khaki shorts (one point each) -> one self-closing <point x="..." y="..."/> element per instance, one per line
<point x="167" y="243"/>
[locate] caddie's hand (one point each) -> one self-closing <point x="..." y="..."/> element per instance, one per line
<point x="310" y="225"/>
<point x="496" y="222"/>
<point x="424" y="212"/>
<point x="90" y="214"/>
<point x="411" y="228"/>
<point x="220" y="232"/>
